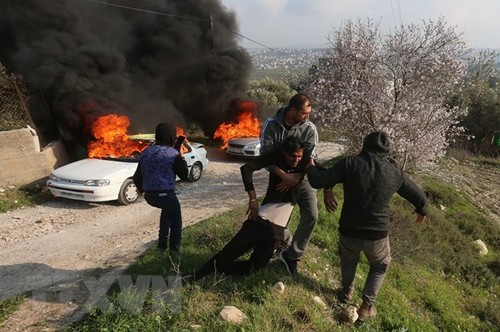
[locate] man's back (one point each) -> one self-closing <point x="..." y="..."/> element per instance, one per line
<point x="369" y="182"/>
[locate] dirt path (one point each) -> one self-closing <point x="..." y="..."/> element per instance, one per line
<point x="68" y="253"/>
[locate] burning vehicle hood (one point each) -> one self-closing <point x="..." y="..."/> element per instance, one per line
<point x="244" y="140"/>
<point x="91" y="169"/>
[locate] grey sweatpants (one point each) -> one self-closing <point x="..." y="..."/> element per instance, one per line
<point x="308" y="205"/>
<point x="378" y="253"/>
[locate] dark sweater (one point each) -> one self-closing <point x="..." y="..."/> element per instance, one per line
<point x="277" y="158"/>
<point x="369" y="182"/>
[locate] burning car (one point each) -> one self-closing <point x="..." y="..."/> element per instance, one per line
<point x="108" y="179"/>
<point x="244" y="146"/>
<point x="240" y="137"/>
<point x="113" y="158"/>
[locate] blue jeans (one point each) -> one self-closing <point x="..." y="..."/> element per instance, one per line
<point x="170" y="218"/>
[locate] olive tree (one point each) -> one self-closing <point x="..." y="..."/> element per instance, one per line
<point x="273" y="94"/>
<point x="397" y="83"/>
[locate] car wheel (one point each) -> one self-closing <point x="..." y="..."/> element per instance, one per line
<point x="195" y="173"/>
<point x="128" y="192"/>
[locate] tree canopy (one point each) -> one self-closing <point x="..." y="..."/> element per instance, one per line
<point x="397" y="83"/>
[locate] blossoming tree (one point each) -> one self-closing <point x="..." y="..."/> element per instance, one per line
<point x="397" y="83"/>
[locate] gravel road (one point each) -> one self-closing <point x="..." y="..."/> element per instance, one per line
<point x="63" y="250"/>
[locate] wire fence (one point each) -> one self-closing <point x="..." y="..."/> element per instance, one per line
<point x="14" y="112"/>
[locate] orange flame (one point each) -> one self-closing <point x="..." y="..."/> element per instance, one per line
<point x="112" y="140"/>
<point x="110" y="132"/>
<point x="247" y="125"/>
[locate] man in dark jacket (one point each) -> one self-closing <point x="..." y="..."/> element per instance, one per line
<point x="156" y="175"/>
<point x="369" y="182"/>
<point x="289" y="121"/>
<point x="264" y="228"/>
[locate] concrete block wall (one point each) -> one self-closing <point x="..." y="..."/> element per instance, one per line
<point x="22" y="161"/>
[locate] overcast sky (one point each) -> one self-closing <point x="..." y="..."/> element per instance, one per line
<point x="305" y="23"/>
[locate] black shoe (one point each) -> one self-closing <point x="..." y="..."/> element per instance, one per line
<point x="291" y="264"/>
<point x="344" y="296"/>
<point x="281" y="247"/>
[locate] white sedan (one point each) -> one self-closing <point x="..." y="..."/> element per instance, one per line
<point x="244" y="146"/>
<point x="100" y="180"/>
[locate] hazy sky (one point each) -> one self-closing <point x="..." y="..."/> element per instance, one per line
<point x="281" y="23"/>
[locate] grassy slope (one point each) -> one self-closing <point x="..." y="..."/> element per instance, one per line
<point x="436" y="282"/>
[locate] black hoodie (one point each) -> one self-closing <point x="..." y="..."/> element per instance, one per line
<point x="369" y="182"/>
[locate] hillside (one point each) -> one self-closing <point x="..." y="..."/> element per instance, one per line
<point x="437" y="281"/>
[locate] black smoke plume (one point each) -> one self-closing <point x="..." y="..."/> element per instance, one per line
<point x="87" y="59"/>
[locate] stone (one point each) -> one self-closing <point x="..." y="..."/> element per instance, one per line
<point x="232" y="314"/>
<point x="483" y="250"/>
<point x="279" y="287"/>
<point x="349" y="315"/>
<point x="319" y="302"/>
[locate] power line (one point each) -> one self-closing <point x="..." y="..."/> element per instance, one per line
<point x="253" y="41"/>
<point x="180" y="16"/>
<point x="150" y="11"/>
<point x="399" y="13"/>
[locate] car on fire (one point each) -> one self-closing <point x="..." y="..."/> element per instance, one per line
<point x="244" y="147"/>
<point x="108" y="179"/>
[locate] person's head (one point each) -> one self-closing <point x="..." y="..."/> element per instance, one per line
<point x="299" y="108"/>
<point x="376" y="142"/>
<point x="165" y="134"/>
<point x="293" y="150"/>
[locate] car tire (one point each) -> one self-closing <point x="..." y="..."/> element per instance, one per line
<point x="195" y="172"/>
<point x="128" y="193"/>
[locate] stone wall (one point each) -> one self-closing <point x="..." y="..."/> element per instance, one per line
<point x="22" y="161"/>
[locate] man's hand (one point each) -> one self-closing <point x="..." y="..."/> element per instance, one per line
<point x="420" y="218"/>
<point x="329" y="200"/>
<point x="253" y="209"/>
<point x="289" y="180"/>
<point x="310" y="164"/>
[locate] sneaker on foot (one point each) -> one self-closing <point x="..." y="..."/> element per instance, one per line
<point x="290" y="264"/>
<point x="366" y="311"/>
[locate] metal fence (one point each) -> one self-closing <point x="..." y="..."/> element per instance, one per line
<point x="14" y="113"/>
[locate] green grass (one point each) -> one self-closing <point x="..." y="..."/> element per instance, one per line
<point x="436" y="282"/>
<point x="9" y="306"/>
<point x="14" y="197"/>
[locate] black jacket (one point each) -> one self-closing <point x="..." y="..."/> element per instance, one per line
<point x="277" y="158"/>
<point x="369" y="182"/>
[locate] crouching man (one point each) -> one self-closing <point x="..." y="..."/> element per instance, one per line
<point x="369" y="182"/>
<point x="264" y="229"/>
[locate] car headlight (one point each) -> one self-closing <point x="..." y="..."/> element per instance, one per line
<point x="253" y="145"/>
<point x="53" y="177"/>
<point x="96" y="183"/>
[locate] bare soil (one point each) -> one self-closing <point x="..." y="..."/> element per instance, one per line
<point x="68" y="253"/>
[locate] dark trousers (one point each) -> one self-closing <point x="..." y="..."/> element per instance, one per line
<point x="170" y="218"/>
<point x="257" y="234"/>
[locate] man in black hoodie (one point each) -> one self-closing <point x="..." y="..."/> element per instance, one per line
<point x="369" y="182"/>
